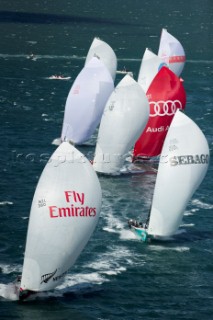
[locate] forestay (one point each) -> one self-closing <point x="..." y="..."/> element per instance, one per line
<point x="64" y="213"/>
<point x="183" y="165"/>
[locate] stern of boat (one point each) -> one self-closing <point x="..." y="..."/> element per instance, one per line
<point x="141" y="233"/>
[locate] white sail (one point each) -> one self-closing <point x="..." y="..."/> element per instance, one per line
<point x="124" y="118"/>
<point x="150" y="65"/>
<point x="64" y="213"/>
<point x="86" y="101"/>
<point x="105" y="53"/>
<point x="171" y="52"/>
<point x="183" y="165"/>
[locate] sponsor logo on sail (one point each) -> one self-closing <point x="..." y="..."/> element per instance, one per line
<point x="173" y="59"/>
<point x="189" y="159"/>
<point x="158" y="129"/>
<point x="164" y="108"/>
<point x="76" y="89"/>
<point x="46" y="277"/>
<point x="75" y="207"/>
<point x="177" y="59"/>
<point x="59" y="277"/>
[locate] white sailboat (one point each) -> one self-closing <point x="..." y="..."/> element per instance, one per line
<point x="63" y="216"/>
<point x="105" y="53"/>
<point x="150" y="66"/>
<point x="125" y="116"/>
<point x="86" y="101"/>
<point x="182" y="167"/>
<point x="171" y="52"/>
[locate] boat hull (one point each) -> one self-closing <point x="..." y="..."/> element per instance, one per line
<point x="141" y="233"/>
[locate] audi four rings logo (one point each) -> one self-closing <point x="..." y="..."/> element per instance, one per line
<point x="164" y="108"/>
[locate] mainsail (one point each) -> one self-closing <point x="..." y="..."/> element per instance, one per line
<point x="105" y="53"/>
<point x="125" y="116"/>
<point x="63" y="216"/>
<point x="182" y="167"/>
<point x="86" y="101"/>
<point x="166" y="94"/>
<point x="171" y="52"/>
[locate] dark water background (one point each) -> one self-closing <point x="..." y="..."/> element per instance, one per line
<point x="116" y="276"/>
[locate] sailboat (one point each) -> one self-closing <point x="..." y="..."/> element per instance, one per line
<point x="86" y="101"/>
<point x="125" y="116"/>
<point x="102" y="50"/>
<point x="64" y="212"/>
<point x="172" y="52"/>
<point x="166" y="94"/>
<point x="182" y="167"/>
<point x="150" y="65"/>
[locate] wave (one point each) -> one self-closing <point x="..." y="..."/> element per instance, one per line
<point x="202" y="205"/>
<point x="200" y="61"/>
<point x="111" y="262"/>
<point x="75" y="57"/>
<point x="189" y="213"/>
<point x="6" y="203"/>
<point x="8" y="292"/>
<point x="163" y="248"/>
<point x="8" y="269"/>
<point x="188" y="225"/>
<point x="116" y="225"/>
<point x="105" y="265"/>
<point x="56" y="142"/>
<point x="71" y="282"/>
<point x="45" y="56"/>
<point x="96" y="272"/>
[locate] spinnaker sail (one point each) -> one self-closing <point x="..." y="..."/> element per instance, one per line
<point x="166" y="94"/>
<point x="102" y="50"/>
<point x="150" y="65"/>
<point x="86" y="101"/>
<point x="172" y="52"/>
<point x="125" y="116"/>
<point x="182" y="167"/>
<point x="65" y="210"/>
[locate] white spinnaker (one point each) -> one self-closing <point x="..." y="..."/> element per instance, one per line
<point x="86" y="101"/>
<point x="105" y="53"/>
<point x="150" y="65"/>
<point x="125" y="116"/>
<point x="54" y="242"/>
<point x="171" y="52"/>
<point x="178" y="177"/>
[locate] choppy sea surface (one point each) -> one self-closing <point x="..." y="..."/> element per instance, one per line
<point x="116" y="276"/>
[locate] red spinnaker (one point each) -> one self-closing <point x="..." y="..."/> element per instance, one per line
<point x="166" y="94"/>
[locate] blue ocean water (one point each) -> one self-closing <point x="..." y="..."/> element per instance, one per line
<point x="116" y="276"/>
